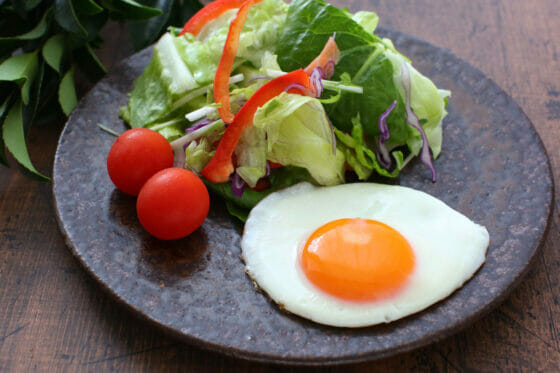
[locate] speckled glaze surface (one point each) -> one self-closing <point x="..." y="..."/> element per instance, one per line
<point x="493" y="168"/>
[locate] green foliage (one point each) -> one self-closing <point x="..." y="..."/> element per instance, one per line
<point x="280" y="178"/>
<point x="43" y="43"/>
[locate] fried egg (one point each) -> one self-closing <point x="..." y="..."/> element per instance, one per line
<point x="361" y="254"/>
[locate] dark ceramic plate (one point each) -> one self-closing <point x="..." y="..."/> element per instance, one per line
<point x="493" y="168"/>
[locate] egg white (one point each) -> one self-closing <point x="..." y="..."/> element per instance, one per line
<point x="449" y="248"/>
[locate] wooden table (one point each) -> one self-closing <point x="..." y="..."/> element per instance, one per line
<point x="53" y="316"/>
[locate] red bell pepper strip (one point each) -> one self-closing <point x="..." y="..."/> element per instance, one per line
<point x="220" y="166"/>
<point x="325" y="60"/>
<point x="221" y="79"/>
<point x="208" y="13"/>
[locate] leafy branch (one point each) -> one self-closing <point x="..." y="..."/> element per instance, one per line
<point x="44" y="42"/>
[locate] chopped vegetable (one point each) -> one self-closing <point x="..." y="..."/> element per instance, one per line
<point x="412" y="119"/>
<point x="298" y="133"/>
<point x="221" y="166"/>
<point x="339" y="98"/>
<point x="326" y="60"/>
<point x="208" y="13"/>
<point x="382" y="152"/>
<point x="221" y="81"/>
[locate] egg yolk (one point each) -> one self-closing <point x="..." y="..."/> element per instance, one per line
<point x="357" y="259"/>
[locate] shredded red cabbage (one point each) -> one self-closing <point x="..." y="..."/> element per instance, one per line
<point x="328" y="69"/>
<point x="268" y="169"/>
<point x="383" y="155"/>
<point x="201" y="123"/>
<point x="237" y="185"/>
<point x="316" y="83"/>
<point x="306" y="91"/>
<point x="412" y="119"/>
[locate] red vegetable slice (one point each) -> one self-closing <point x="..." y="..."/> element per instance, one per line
<point x="208" y="13"/>
<point x="221" y="80"/>
<point x="325" y="60"/>
<point x="220" y="166"/>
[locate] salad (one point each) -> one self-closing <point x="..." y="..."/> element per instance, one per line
<point x="255" y="96"/>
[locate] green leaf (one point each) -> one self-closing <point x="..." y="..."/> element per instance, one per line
<point x="280" y="178"/>
<point x="144" y="33"/>
<point x="31" y="4"/>
<point x="237" y="211"/>
<point x="369" y="68"/>
<point x="88" y="7"/>
<point x="89" y="63"/>
<point x="30" y="110"/>
<point x="53" y="51"/>
<point x="309" y="24"/>
<point x="3" y="111"/>
<point x="66" y="16"/>
<point x="14" y="138"/>
<point x="20" y="69"/>
<point x="38" y="31"/>
<point x="93" y="25"/>
<point x="130" y="9"/>
<point x="67" y="93"/>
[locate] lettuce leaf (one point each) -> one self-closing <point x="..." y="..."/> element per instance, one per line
<point x="280" y="178"/>
<point x="309" y="25"/>
<point x="197" y="155"/>
<point x="298" y="133"/>
<point x="183" y="63"/>
<point x="149" y="98"/>
<point x="359" y="156"/>
<point x="368" y="20"/>
<point x="426" y="100"/>
<point x="369" y="67"/>
<point x="251" y="155"/>
<point x="372" y="63"/>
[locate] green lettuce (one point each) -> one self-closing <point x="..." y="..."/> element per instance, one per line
<point x="309" y="25"/>
<point x="372" y="63"/>
<point x="359" y="155"/>
<point x="426" y="100"/>
<point x="149" y="99"/>
<point x="280" y="178"/>
<point x="369" y="67"/>
<point x="197" y="155"/>
<point x="298" y="133"/>
<point x="251" y="155"/>
<point x="181" y="64"/>
<point x="368" y="20"/>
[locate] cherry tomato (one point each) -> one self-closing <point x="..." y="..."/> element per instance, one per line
<point x="172" y="204"/>
<point x="135" y="156"/>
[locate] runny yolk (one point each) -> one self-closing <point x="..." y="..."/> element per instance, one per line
<point x="357" y="259"/>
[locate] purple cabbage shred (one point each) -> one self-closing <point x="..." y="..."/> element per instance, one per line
<point x="412" y="120"/>
<point x="306" y="91"/>
<point x="382" y="152"/>
<point x="237" y="185"/>
<point x="316" y="83"/>
<point x="201" y="123"/>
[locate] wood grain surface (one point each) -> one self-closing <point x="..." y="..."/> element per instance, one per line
<point x="54" y="317"/>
